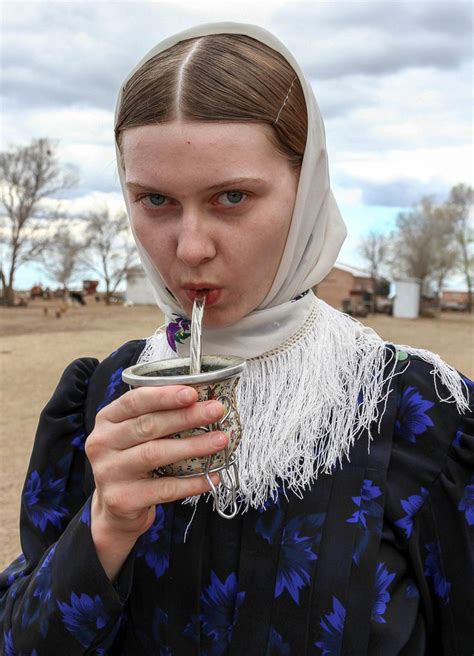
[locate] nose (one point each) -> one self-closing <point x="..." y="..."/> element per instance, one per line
<point x="195" y="242"/>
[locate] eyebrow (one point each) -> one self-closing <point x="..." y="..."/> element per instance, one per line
<point x="225" y="183"/>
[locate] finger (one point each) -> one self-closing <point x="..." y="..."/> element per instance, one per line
<point x="138" y="461"/>
<point x="130" y="498"/>
<point x="143" y="400"/>
<point x="154" y="425"/>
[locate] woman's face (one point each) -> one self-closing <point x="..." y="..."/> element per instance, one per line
<point x="211" y="203"/>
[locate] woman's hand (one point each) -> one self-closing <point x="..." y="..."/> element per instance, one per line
<point x="130" y="439"/>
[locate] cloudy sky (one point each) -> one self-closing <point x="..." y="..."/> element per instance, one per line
<point x="393" y="80"/>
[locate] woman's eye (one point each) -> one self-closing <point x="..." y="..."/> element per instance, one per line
<point x="234" y="197"/>
<point x="154" y="200"/>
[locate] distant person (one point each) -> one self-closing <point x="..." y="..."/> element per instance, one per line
<point x="356" y="506"/>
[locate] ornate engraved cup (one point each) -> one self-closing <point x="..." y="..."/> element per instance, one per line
<point x="218" y="380"/>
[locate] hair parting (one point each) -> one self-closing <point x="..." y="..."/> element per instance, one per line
<point x="181" y="73"/>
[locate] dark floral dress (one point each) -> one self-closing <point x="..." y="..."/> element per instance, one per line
<point x="376" y="558"/>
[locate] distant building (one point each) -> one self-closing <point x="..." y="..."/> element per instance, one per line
<point x="90" y="286"/>
<point x="346" y="288"/>
<point x="454" y="300"/>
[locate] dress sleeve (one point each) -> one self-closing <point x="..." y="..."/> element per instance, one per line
<point x="424" y="589"/>
<point x="55" y="598"/>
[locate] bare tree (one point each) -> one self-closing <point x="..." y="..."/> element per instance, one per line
<point x="60" y="258"/>
<point x="110" y="251"/>
<point x="412" y="242"/>
<point x="445" y="252"/>
<point x="28" y="176"/>
<point x="460" y="204"/>
<point x="424" y="244"/>
<point x="374" y="248"/>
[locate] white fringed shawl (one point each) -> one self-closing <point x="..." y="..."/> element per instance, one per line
<point x="304" y="404"/>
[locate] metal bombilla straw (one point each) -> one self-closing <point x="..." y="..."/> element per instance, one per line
<point x="228" y="473"/>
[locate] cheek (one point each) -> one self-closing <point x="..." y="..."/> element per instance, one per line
<point x="140" y="227"/>
<point x="157" y="243"/>
<point x="259" y="255"/>
<point x="272" y="242"/>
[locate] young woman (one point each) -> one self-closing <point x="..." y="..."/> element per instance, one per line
<point x="356" y="457"/>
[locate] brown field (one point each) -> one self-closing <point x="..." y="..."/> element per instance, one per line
<point x="35" y="348"/>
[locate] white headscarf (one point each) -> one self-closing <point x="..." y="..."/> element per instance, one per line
<point x="315" y="237"/>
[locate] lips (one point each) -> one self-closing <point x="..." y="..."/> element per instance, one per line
<point x="212" y="294"/>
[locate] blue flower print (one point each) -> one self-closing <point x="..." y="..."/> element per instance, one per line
<point x="383" y="578"/>
<point x="276" y="646"/>
<point x="114" y="384"/>
<point x="8" y="644"/>
<point x="300" y="541"/>
<point x="411" y="591"/>
<point x="84" y="617"/>
<point x="192" y="628"/>
<point x="274" y="500"/>
<point x="468" y="381"/>
<point x="457" y="438"/>
<point x="154" y="545"/>
<point x="79" y="440"/>
<point x="270" y="518"/>
<point x="15" y="570"/>
<point x="411" y="506"/>
<point x="86" y="513"/>
<point x="466" y="505"/>
<point x="220" y="603"/>
<point x="79" y="437"/>
<point x="365" y="503"/>
<point x="269" y="524"/>
<point x="412" y="419"/>
<point x="40" y="605"/>
<point x="332" y="625"/>
<point x="10" y="648"/>
<point x="43" y="498"/>
<point x="434" y="569"/>
<point x="368" y="509"/>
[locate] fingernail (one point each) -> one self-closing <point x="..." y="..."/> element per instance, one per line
<point x="220" y="439"/>
<point x="186" y="395"/>
<point x="213" y="410"/>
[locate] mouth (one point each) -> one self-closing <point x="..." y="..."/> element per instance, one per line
<point x="212" y="294"/>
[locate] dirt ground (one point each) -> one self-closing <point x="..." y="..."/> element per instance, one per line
<point x="35" y="348"/>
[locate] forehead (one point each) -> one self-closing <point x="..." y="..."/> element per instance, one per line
<point x="199" y="149"/>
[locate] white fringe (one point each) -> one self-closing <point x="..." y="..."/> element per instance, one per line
<point x="299" y="404"/>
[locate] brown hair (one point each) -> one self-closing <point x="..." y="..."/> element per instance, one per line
<point x="222" y="77"/>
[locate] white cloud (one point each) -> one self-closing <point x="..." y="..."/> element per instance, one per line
<point x="336" y="39"/>
<point x="451" y="165"/>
